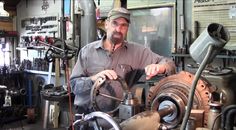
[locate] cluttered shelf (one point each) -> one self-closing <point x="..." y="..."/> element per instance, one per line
<point x="218" y="56"/>
<point x="38" y="72"/>
<point x="31" y="47"/>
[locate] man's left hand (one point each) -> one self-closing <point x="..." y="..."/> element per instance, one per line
<point x="154" y="69"/>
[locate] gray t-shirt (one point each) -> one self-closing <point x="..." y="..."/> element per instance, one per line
<point x="93" y="58"/>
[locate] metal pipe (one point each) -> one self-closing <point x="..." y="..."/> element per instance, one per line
<point x="88" y="22"/>
<point x="224" y="113"/>
<point x="229" y="119"/>
<point x="111" y="97"/>
<point x="194" y="85"/>
<point x="165" y="111"/>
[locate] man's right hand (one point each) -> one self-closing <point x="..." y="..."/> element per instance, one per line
<point x="110" y="74"/>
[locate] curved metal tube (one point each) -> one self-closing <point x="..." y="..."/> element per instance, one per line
<point x="194" y="84"/>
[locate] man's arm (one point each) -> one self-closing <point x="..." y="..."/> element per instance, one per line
<point x="168" y="64"/>
<point x="79" y="80"/>
<point x="156" y="64"/>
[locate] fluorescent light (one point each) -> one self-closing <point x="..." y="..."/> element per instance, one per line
<point x="3" y="13"/>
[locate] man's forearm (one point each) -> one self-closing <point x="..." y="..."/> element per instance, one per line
<point x="81" y="84"/>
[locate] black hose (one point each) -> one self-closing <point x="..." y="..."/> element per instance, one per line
<point x="229" y="119"/>
<point x="224" y="113"/>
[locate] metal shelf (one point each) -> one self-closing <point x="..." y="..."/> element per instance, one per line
<point x="218" y="56"/>
<point x="38" y="72"/>
<point x="30" y="48"/>
<point x="42" y="72"/>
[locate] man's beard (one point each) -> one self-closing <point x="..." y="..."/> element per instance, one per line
<point x="116" y="37"/>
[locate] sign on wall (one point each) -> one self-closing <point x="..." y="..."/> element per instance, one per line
<point x="40" y="25"/>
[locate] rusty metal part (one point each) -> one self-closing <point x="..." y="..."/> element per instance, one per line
<point x="225" y="85"/>
<point x="140" y="93"/>
<point x="199" y="116"/>
<point x="175" y="89"/>
<point x="147" y="120"/>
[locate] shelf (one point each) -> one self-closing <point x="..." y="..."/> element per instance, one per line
<point x="225" y="56"/>
<point x="38" y="72"/>
<point x="30" y="48"/>
<point x="181" y="55"/>
<point x="218" y="56"/>
<point x="42" y="72"/>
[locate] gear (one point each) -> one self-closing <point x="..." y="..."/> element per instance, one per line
<point x="175" y="88"/>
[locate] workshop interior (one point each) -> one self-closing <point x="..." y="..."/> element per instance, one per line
<point x="40" y="41"/>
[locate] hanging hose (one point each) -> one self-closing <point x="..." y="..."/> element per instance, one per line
<point x="229" y="119"/>
<point x="225" y="112"/>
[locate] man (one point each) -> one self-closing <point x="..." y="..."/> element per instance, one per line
<point x="113" y="56"/>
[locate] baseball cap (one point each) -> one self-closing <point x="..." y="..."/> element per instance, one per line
<point x="118" y="13"/>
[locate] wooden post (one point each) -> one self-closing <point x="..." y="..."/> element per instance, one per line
<point x="57" y="83"/>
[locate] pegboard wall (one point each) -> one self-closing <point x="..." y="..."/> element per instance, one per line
<point x="215" y="11"/>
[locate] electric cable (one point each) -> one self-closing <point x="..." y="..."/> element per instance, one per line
<point x="193" y="88"/>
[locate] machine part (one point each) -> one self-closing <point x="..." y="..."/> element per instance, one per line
<point x="129" y="107"/>
<point x="230" y="118"/>
<point x="222" y="71"/>
<point x="213" y="120"/>
<point x="7" y="99"/>
<point x="199" y="116"/>
<point x="226" y="118"/>
<point x="59" y="50"/>
<point x="225" y="85"/>
<point x="96" y="115"/>
<point x="139" y="94"/>
<point x="168" y="111"/>
<point x="173" y="91"/>
<point x="95" y="92"/>
<point x="191" y="124"/>
<point x="147" y="120"/>
<point x="22" y="91"/>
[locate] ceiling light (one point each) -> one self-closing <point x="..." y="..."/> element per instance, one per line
<point x="3" y="13"/>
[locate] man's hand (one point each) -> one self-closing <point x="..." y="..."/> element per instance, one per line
<point x="154" y="69"/>
<point x="110" y="74"/>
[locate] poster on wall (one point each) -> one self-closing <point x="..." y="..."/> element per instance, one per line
<point x="39" y="27"/>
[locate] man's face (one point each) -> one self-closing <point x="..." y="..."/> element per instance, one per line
<point x="117" y="30"/>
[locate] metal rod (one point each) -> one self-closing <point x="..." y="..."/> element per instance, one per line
<point x="165" y="111"/>
<point x="108" y="96"/>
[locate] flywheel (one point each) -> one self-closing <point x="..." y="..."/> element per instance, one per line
<point x="174" y="91"/>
